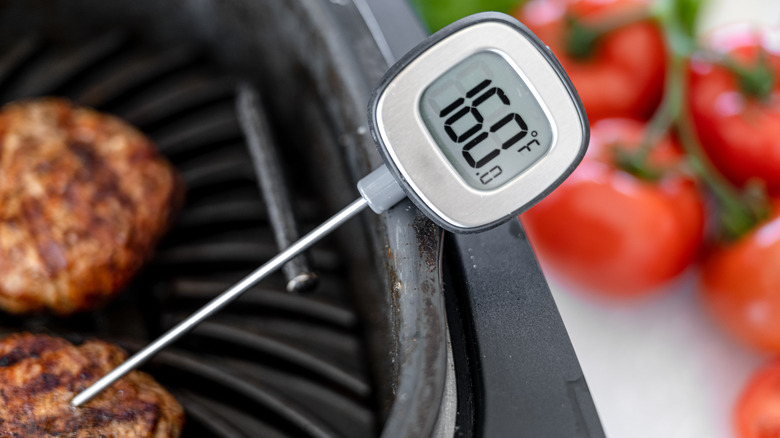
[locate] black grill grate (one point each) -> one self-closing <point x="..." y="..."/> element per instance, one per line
<point x="274" y="364"/>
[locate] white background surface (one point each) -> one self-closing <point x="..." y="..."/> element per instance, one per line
<point x="661" y="367"/>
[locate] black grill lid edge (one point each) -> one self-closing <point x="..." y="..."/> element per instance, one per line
<point x="527" y="379"/>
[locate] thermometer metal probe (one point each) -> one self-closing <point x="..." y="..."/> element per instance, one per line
<point x="388" y="192"/>
<point x="475" y="125"/>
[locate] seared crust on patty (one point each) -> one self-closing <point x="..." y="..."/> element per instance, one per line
<point x="39" y="375"/>
<point x="84" y="199"/>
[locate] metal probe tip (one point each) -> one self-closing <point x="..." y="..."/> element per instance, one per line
<point x="219" y="302"/>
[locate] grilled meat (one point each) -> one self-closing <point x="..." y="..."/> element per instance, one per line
<point x="84" y="198"/>
<point x="39" y="375"/>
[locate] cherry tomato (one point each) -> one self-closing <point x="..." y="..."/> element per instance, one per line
<point x="737" y="117"/>
<point x="623" y="76"/>
<point x="612" y="233"/>
<point x="740" y="283"/>
<point x="757" y="413"/>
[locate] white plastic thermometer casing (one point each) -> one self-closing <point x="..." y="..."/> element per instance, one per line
<point x="420" y="165"/>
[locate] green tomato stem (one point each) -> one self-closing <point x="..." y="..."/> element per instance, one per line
<point x="668" y="111"/>
<point x="736" y="215"/>
<point x="756" y="81"/>
<point x="636" y="162"/>
<point x="736" y="218"/>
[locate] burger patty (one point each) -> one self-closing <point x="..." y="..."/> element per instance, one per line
<point x="39" y="375"/>
<point x="84" y="199"/>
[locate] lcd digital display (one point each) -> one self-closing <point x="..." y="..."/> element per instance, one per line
<point x="485" y="120"/>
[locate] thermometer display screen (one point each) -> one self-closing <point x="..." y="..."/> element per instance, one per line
<point x="486" y="121"/>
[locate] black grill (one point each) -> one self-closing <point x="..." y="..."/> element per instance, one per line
<point x="272" y="364"/>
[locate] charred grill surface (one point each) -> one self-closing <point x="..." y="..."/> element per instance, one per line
<point x="273" y="364"/>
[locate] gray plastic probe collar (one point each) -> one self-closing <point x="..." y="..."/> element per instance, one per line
<point x="380" y="189"/>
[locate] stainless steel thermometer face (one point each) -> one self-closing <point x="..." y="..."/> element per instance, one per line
<point x="475" y="125"/>
<point x="478" y="123"/>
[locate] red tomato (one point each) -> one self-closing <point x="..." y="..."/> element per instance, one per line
<point x="741" y="285"/>
<point x="740" y="132"/>
<point x="757" y="414"/>
<point x="624" y="75"/>
<point x="611" y="233"/>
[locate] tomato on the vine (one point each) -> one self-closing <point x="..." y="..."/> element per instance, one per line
<point x="615" y="234"/>
<point x="757" y="413"/>
<point x="734" y="100"/>
<point x="740" y="283"/>
<point x="613" y="54"/>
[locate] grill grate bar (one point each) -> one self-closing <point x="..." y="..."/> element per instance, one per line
<point x="285" y="352"/>
<point x="298" y="271"/>
<point x="238" y="210"/>
<point x="244" y="422"/>
<point x="280" y="406"/>
<point x="195" y="408"/>
<point x="349" y="417"/>
<point x="213" y="126"/>
<point x="123" y="78"/>
<point x="170" y="98"/>
<point x="257" y="296"/>
<point x="236" y="252"/>
<point x="218" y="168"/>
<point x="52" y="73"/>
<point x="12" y="60"/>
<point x="337" y="346"/>
<point x="233" y="211"/>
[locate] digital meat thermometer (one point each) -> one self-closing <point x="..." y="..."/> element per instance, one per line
<point x="475" y="125"/>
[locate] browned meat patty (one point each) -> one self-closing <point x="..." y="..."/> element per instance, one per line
<point x="84" y="198"/>
<point x="39" y="375"/>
